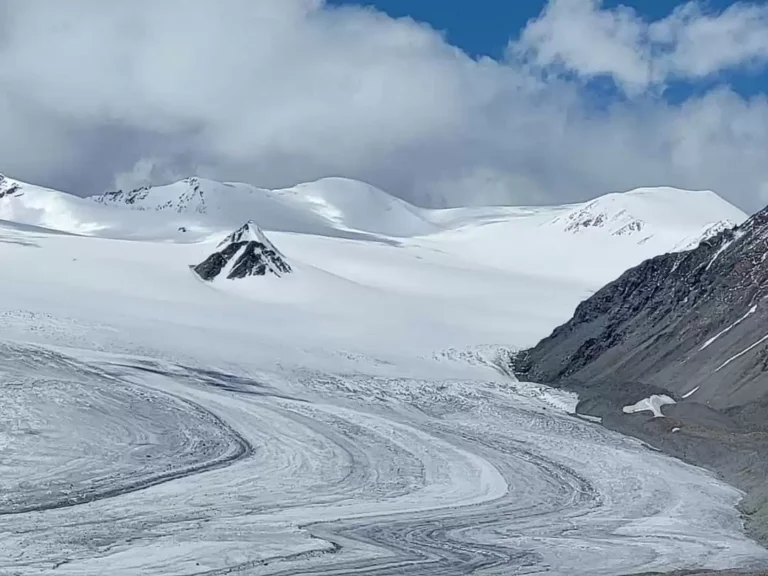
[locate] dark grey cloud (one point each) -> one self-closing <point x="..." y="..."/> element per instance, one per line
<point x="96" y="94"/>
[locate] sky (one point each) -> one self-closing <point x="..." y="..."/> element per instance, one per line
<point x="484" y="27"/>
<point x="439" y="102"/>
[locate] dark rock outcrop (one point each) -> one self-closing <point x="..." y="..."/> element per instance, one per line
<point x="245" y="252"/>
<point x="120" y="197"/>
<point x="8" y="188"/>
<point x="676" y="322"/>
<point x="191" y="197"/>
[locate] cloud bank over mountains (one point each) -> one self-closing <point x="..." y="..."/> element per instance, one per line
<point x="99" y="94"/>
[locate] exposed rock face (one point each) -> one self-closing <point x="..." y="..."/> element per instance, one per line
<point x="8" y="188"/>
<point x="120" y="197"/>
<point x="620" y="223"/>
<point x="245" y="252"/>
<point x="677" y="322"/>
<point x="189" y="196"/>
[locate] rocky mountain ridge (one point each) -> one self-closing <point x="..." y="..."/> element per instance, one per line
<point x="191" y="197"/>
<point x="678" y="321"/>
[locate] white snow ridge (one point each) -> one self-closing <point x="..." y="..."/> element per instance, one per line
<point x="293" y="414"/>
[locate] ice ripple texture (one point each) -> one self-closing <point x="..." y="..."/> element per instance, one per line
<point x="131" y="468"/>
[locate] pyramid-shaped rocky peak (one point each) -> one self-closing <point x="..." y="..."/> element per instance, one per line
<point x="245" y="252"/>
<point x="249" y="232"/>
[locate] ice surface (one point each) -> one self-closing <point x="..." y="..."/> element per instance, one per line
<point x="351" y="417"/>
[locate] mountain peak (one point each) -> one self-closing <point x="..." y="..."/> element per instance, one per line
<point x="248" y="232"/>
<point x="186" y="195"/>
<point x="245" y="252"/>
<point x="646" y="212"/>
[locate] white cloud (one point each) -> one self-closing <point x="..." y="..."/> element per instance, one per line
<point x="582" y="37"/>
<point x="704" y="44"/>
<point x="577" y="36"/>
<point x="146" y="172"/>
<point x="277" y="92"/>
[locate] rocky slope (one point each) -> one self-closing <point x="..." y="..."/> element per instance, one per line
<point x="8" y="187"/>
<point x="245" y="252"/>
<point x="688" y="321"/>
<point x="691" y="325"/>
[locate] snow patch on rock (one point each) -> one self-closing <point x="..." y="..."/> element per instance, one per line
<point x="652" y="404"/>
<point x="647" y="212"/>
<point x="730" y="327"/>
<point x="709" y="231"/>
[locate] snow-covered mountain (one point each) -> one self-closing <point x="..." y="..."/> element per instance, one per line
<point x="679" y="321"/>
<point x="617" y="230"/>
<point x="382" y="244"/>
<point x="546" y="246"/>
<point x="245" y="252"/>
<point x="332" y="206"/>
<point x="645" y="212"/>
<point x="295" y="411"/>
